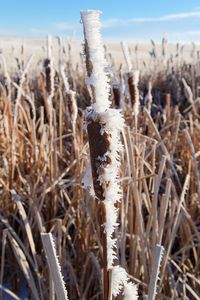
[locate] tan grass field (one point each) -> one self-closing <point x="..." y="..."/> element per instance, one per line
<point x="47" y="142"/>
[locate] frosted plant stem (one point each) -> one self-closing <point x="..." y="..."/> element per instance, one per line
<point x="54" y="267"/>
<point x="155" y="272"/>
<point x="127" y="55"/>
<point x="98" y="78"/>
<point x="98" y="141"/>
<point x="104" y="125"/>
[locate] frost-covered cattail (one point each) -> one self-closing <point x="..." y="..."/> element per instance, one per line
<point x="188" y="94"/>
<point x="127" y="55"/>
<point x="133" y="80"/>
<point x="49" y="70"/>
<point x="104" y="125"/>
<point x="136" y="103"/>
<point x="60" y="45"/>
<point x="7" y="76"/>
<point x="148" y="97"/>
<point x="121" y="282"/>
<point x="98" y="77"/>
<point x="49" y="46"/>
<point x="187" y="91"/>
<point x="71" y="99"/>
<point x="168" y="106"/>
<point x="71" y="104"/>
<point x="117" y="94"/>
<point x="164" y="50"/>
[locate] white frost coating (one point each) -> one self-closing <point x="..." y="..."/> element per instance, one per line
<point x="109" y="179"/>
<point x="74" y="107"/>
<point x="187" y="91"/>
<point x="99" y="78"/>
<point x="52" y="72"/>
<point x="126" y="55"/>
<point x="155" y="272"/>
<point x="130" y="291"/>
<point x="87" y="179"/>
<point x="64" y="78"/>
<point x="119" y="277"/>
<point x="112" y="123"/>
<point x="136" y="75"/>
<point x="49" y="46"/>
<point x="120" y="282"/>
<point x="148" y="98"/>
<point x="54" y="266"/>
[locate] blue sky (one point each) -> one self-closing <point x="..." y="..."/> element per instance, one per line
<point x="136" y="20"/>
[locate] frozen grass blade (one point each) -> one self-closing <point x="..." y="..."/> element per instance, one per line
<point x="54" y="266"/>
<point x="155" y="272"/>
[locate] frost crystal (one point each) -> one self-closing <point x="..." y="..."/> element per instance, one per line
<point x="87" y="179"/>
<point x="120" y="282"/>
<point x="130" y="291"/>
<point x="109" y="179"/>
<point x="99" y="78"/>
<point x="127" y="55"/>
<point x="136" y="74"/>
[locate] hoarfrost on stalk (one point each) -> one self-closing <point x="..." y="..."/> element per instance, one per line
<point x="99" y="78"/>
<point x="155" y="272"/>
<point x="148" y="99"/>
<point x="49" y="46"/>
<point x="64" y="77"/>
<point x="130" y="291"/>
<point x="111" y="122"/>
<point x="125" y="49"/>
<point x="109" y="179"/>
<point x="87" y="179"/>
<point x="120" y="282"/>
<point x="54" y="265"/>
<point x="136" y="75"/>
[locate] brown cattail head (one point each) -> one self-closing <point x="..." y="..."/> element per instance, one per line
<point x="99" y="146"/>
<point x="132" y="88"/>
<point x="133" y="78"/>
<point x="168" y="105"/>
<point x="47" y="67"/>
<point x="117" y="95"/>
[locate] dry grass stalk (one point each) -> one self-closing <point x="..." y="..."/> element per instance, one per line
<point x="155" y="272"/>
<point x="22" y="261"/>
<point x="168" y="105"/>
<point x="127" y="56"/>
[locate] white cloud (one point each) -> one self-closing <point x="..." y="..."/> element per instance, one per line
<point x="171" y="17"/>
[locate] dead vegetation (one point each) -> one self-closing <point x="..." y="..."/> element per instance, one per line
<point x="44" y="152"/>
